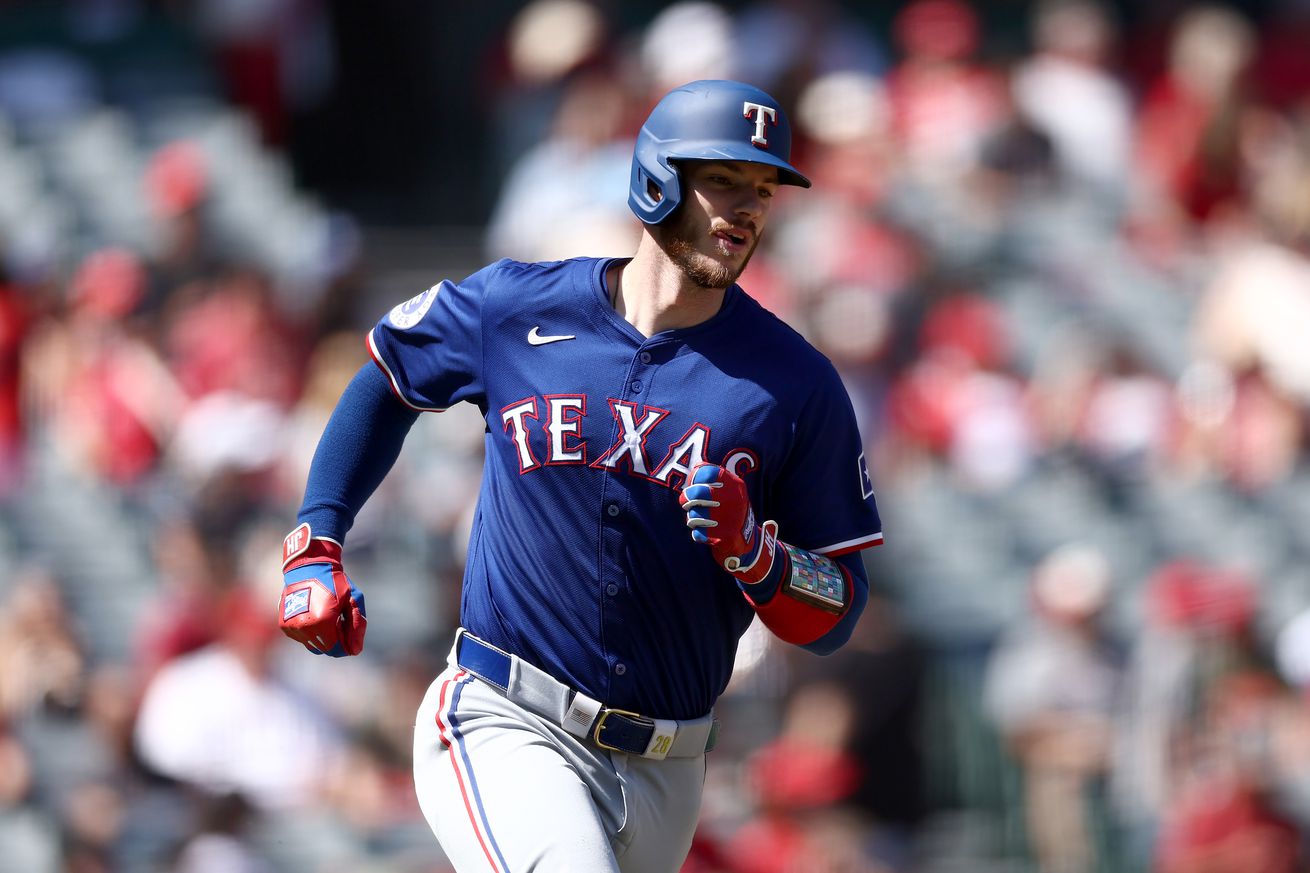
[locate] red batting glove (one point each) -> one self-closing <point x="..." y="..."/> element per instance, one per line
<point x="320" y="607"/>
<point x="719" y="514"/>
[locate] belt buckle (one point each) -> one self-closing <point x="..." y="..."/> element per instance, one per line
<point x="600" y="723"/>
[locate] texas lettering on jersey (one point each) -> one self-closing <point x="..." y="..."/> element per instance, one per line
<point x="560" y="418"/>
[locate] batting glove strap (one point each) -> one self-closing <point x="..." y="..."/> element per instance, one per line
<point x="301" y="547"/>
<point x="759" y="566"/>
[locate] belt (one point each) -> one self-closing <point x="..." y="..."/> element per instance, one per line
<point x="616" y="730"/>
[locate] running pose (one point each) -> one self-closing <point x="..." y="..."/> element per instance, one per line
<point x="665" y="461"/>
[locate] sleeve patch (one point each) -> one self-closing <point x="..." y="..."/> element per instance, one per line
<point x="866" y="481"/>
<point x="411" y="312"/>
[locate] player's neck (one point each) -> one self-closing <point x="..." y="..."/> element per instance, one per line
<point x="652" y="294"/>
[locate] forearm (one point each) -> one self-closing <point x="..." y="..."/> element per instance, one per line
<point x="804" y="598"/>
<point x="359" y="446"/>
<point x="821" y="629"/>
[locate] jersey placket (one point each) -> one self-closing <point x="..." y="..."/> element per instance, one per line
<point x="616" y="516"/>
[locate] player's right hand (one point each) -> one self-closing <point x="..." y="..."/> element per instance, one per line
<point x="319" y="607"/>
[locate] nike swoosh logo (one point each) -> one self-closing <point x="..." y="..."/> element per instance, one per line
<point x="537" y="339"/>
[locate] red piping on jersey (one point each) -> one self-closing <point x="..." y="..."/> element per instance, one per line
<point x="845" y="548"/>
<point x="391" y="378"/>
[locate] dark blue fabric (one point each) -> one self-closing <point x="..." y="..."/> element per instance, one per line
<point x="579" y="559"/>
<point x="360" y="444"/>
<point x="618" y="731"/>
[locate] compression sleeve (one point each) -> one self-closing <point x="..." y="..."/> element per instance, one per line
<point x="358" y="448"/>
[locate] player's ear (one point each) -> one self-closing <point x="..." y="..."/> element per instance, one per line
<point x="654" y="191"/>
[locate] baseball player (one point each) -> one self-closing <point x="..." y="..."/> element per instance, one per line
<point x="627" y="400"/>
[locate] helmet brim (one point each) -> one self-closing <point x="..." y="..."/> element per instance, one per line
<point x="716" y="151"/>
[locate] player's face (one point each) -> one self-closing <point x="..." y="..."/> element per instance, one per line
<point x="714" y="232"/>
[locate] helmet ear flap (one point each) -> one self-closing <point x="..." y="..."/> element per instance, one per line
<point x="653" y="195"/>
<point x="653" y="191"/>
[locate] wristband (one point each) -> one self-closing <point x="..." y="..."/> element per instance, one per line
<point x="815" y="580"/>
<point x="815" y="592"/>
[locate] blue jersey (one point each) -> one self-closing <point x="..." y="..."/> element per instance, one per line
<point x="580" y="560"/>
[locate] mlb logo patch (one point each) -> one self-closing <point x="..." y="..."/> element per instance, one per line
<point x="295" y="603"/>
<point x="411" y="312"/>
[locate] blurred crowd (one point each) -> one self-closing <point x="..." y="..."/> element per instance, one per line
<point x="1058" y="250"/>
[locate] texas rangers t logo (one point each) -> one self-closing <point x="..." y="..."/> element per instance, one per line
<point x="762" y="115"/>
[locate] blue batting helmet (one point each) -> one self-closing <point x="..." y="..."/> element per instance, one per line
<point x="709" y="120"/>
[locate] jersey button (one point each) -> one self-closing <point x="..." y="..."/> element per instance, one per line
<point x="612" y="509"/>
<point x="611" y="589"/>
<point x="644" y="357"/>
<point x="636" y="386"/>
<point x="620" y="669"/>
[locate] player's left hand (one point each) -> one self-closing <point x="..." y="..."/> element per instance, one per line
<point x="719" y="514"/>
<point x="320" y="607"/>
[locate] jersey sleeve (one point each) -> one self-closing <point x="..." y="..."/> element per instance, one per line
<point x="430" y="347"/>
<point x="823" y="500"/>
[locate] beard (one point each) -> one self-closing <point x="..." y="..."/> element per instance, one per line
<point x="678" y="239"/>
